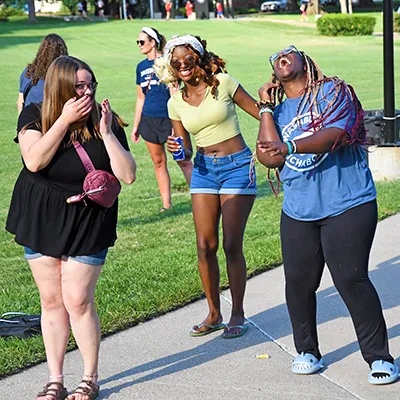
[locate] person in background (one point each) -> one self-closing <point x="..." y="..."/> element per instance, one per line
<point x="303" y="10"/>
<point x="220" y="11"/>
<point x="66" y="269"/>
<point x="168" y="7"/>
<point x="189" y="9"/>
<point x="312" y="129"/>
<point x="31" y="81"/>
<point x="223" y="182"/>
<point x="151" y="114"/>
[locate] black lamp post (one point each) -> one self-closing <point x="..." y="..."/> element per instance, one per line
<point x="389" y="117"/>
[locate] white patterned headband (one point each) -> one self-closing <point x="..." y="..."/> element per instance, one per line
<point x="152" y="33"/>
<point x="182" y="40"/>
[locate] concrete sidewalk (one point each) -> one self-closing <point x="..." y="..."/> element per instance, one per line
<point x="159" y="360"/>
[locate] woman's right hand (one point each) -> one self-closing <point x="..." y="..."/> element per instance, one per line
<point x="265" y="90"/>
<point x="172" y="145"/>
<point x="135" y="135"/>
<point x="74" y="109"/>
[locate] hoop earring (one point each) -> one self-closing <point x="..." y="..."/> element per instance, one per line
<point x="197" y="79"/>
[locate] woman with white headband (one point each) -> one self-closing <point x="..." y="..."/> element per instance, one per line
<point x="223" y="179"/>
<point x="151" y="115"/>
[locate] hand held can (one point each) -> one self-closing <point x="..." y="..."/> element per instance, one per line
<point x="179" y="155"/>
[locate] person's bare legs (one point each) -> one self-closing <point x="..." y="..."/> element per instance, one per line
<point x="159" y="158"/>
<point x="187" y="169"/>
<point x="78" y="287"/>
<point x="54" y="319"/>
<point x="235" y="212"/>
<point x="206" y="214"/>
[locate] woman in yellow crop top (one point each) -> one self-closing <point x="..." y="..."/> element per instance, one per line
<point x="223" y="180"/>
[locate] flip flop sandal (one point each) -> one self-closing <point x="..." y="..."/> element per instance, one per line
<point x="383" y="373"/>
<point x="243" y="330"/>
<point x="306" y="364"/>
<point x="90" y="389"/>
<point x="210" y="329"/>
<point x="58" y="393"/>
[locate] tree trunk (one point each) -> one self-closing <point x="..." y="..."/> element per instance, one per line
<point x="31" y="12"/>
<point x="343" y="6"/>
<point x="313" y="7"/>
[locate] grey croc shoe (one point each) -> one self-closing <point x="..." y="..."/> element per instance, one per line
<point x="383" y="373"/>
<point x="306" y="364"/>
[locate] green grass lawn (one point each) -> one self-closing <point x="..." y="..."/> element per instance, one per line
<point x="152" y="268"/>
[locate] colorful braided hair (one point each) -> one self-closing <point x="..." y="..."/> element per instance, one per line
<point x="342" y="92"/>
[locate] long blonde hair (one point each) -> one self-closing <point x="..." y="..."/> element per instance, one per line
<point x="59" y="87"/>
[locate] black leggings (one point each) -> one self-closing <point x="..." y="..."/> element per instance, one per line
<point x="344" y="243"/>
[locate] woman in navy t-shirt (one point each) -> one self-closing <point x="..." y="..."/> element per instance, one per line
<point x="151" y="114"/>
<point x="329" y="214"/>
<point x="31" y="81"/>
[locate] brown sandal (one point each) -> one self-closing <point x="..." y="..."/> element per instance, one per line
<point x="58" y="393"/>
<point x="91" y="390"/>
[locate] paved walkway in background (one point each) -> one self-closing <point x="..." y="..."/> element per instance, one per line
<point x="159" y="360"/>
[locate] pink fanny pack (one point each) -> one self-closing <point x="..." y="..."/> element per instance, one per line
<point x="99" y="186"/>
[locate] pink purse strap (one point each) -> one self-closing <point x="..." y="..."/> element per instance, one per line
<point x="86" y="161"/>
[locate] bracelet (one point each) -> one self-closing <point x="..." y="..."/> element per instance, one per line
<point x="265" y="110"/>
<point x="294" y="145"/>
<point x="264" y="103"/>
<point x="290" y="147"/>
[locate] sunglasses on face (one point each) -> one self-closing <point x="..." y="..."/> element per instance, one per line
<point x="284" y="52"/>
<point x="188" y="62"/>
<point x="140" y="42"/>
<point x="81" y="87"/>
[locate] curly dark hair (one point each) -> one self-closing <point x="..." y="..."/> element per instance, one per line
<point x="52" y="46"/>
<point x="208" y="65"/>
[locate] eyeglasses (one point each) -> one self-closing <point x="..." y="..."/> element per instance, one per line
<point x="140" y="42"/>
<point x="188" y="62"/>
<point x="81" y="87"/>
<point x="285" y="52"/>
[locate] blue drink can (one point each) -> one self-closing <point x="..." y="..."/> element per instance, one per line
<point x="179" y="155"/>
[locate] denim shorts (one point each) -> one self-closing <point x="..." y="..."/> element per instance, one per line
<point x="232" y="174"/>
<point x="94" y="259"/>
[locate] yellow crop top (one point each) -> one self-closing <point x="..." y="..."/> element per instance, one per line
<point x="214" y="120"/>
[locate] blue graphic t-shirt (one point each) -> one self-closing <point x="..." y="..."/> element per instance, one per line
<point x="156" y="95"/>
<point x="323" y="185"/>
<point x="35" y="94"/>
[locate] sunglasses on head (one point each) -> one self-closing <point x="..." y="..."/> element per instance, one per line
<point x="285" y="51"/>
<point x="140" y="42"/>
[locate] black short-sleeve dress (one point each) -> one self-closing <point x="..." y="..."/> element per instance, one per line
<point x="39" y="215"/>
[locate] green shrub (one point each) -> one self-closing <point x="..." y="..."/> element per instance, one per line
<point x="396" y="23"/>
<point x="345" y="25"/>
<point x="6" y="12"/>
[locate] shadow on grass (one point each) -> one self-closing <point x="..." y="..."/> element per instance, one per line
<point x="274" y="321"/>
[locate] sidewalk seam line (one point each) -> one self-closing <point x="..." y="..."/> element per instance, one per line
<point x="286" y="350"/>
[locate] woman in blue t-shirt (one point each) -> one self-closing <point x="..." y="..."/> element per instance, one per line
<point x="329" y="213"/>
<point x="151" y="114"/>
<point x="31" y="81"/>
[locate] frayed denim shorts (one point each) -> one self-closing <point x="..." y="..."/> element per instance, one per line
<point x="231" y="174"/>
<point x="94" y="259"/>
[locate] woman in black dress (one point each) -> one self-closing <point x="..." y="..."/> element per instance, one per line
<point x="66" y="244"/>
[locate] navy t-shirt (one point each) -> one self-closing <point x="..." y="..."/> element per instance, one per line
<point x="35" y="94"/>
<point x="156" y="95"/>
<point x="323" y="185"/>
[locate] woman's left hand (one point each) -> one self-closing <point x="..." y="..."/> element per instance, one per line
<point x="106" y="118"/>
<point x="273" y="148"/>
